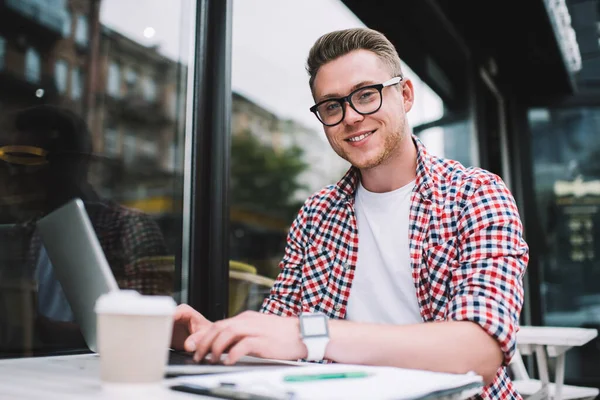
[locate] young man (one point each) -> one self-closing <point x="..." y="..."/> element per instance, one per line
<point x="415" y="261"/>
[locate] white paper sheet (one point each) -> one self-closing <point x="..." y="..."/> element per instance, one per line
<point x="382" y="382"/>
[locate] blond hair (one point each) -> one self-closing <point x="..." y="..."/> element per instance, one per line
<point x="339" y="43"/>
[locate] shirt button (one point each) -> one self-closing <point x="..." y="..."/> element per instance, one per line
<point x="346" y="265"/>
<point x="338" y="307"/>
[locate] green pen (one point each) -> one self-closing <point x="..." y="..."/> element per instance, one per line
<point x="317" y="377"/>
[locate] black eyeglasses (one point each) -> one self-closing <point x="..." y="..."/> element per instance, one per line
<point x="365" y="100"/>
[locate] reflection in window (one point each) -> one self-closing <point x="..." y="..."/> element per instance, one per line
<point x="172" y="158"/>
<point x="114" y="80"/>
<point x="130" y="78"/>
<point x="32" y="65"/>
<point x="2" y="52"/>
<point x="134" y="209"/>
<point x="148" y="148"/>
<point x="111" y="142"/>
<point x="67" y="24"/>
<point x="567" y="172"/>
<point x="172" y="103"/>
<point x="61" y="75"/>
<point x="76" y="83"/>
<point x="429" y="106"/>
<point x="81" y="30"/>
<point x="451" y="141"/>
<point x="566" y="165"/>
<point x="149" y="89"/>
<point x="129" y="148"/>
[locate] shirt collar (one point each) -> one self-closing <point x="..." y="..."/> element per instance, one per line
<point x="423" y="184"/>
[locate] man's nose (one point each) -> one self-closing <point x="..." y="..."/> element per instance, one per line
<point x="350" y="115"/>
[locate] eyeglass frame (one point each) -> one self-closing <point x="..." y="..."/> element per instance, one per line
<point x="348" y="99"/>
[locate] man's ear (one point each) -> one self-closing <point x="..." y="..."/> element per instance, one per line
<point x="408" y="95"/>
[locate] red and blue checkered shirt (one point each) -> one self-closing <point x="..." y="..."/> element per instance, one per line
<point x="467" y="254"/>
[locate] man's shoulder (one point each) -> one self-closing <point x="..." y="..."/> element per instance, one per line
<point x="110" y="215"/>
<point x="450" y="174"/>
<point x="324" y="198"/>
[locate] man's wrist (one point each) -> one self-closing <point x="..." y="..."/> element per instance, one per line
<point x="302" y="346"/>
<point x="314" y="333"/>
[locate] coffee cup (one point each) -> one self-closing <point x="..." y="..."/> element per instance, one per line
<point x="134" y="334"/>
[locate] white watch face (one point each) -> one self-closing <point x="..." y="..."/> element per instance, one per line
<point x="314" y="326"/>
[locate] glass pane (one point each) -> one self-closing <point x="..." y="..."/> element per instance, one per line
<point x="61" y="73"/>
<point x="86" y="129"/>
<point x="428" y="106"/>
<point x="280" y="155"/>
<point x="32" y="65"/>
<point x="566" y="157"/>
<point x="451" y="141"/>
<point x="81" y="30"/>
<point x="2" y="52"/>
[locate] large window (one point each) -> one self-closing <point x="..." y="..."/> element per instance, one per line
<point x="111" y="142"/>
<point x="114" y="80"/>
<point x="81" y="30"/>
<point x="149" y="88"/>
<point x="78" y="144"/>
<point x="2" y="52"/>
<point x="76" y="83"/>
<point x="566" y="161"/>
<point x="61" y="75"/>
<point x="279" y="153"/>
<point x="33" y="65"/>
<point x="66" y="31"/>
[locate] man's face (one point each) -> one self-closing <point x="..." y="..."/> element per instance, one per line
<point x="25" y="179"/>
<point x="382" y="130"/>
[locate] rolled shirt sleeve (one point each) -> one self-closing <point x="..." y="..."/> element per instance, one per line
<point x="487" y="286"/>
<point x="284" y="298"/>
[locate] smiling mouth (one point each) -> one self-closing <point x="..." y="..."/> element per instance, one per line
<point x="360" y="137"/>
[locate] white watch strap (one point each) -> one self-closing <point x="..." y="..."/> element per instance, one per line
<point x="316" y="348"/>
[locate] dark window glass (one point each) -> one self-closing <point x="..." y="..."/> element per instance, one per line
<point x="566" y="161"/>
<point x="67" y="130"/>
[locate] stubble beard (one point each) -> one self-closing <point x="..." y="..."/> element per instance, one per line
<point x="391" y="147"/>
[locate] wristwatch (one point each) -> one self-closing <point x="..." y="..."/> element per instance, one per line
<point x="314" y="330"/>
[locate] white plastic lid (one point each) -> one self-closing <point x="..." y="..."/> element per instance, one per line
<point x="131" y="302"/>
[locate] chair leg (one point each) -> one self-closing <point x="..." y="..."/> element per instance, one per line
<point x="542" y="394"/>
<point x="559" y="376"/>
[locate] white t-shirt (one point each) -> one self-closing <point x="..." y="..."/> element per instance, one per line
<point x="383" y="290"/>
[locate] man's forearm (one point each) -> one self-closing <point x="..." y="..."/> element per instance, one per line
<point x="454" y="346"/>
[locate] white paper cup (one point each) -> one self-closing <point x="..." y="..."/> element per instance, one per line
<point x="134" y="335"/>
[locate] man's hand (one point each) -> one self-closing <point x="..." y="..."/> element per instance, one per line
<point x="250" y="333"/>
<point x="186" y="322"/>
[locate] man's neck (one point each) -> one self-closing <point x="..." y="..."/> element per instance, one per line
<point x="397" y="171"/>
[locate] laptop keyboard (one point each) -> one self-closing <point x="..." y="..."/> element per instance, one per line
<point x="181" y="358"/>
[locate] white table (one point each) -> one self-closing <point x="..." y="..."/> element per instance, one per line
<point x="552" y="342"/>
<point x="70" y="377"/>
<point x="77" y="377"/>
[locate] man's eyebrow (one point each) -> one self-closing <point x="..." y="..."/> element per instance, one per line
<point x="352" y="89"/>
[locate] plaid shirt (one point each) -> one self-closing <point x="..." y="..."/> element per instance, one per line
<point x="467" y="254"/>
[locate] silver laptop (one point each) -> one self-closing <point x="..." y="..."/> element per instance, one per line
<point x="84" y="274"/>
<point x="79" y="263"/>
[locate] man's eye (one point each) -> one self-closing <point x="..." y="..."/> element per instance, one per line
<point x="332" y="106"/>
<point x="366" y="95"/>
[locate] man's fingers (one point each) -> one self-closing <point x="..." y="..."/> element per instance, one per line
<point x="204" y="342"/>
<point x="192" y="341"/>
<point x="226" y="338"/>
<point x="190" y="344"/>
<point x="183" y="312"/>
<point x="178" y="337"/>
<point x="251" y="345"/>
